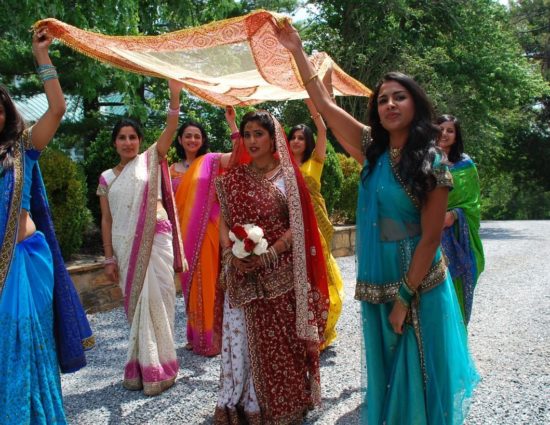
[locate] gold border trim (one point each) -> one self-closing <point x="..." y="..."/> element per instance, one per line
<point x="381" y="294"/>
<point x="12" y="224"/>
<point x="146" y="246"/>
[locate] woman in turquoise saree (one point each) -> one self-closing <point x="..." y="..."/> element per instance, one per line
<point x="418" y="368"/>
<point x="43" y="327"/>
<point x="461" y="242"/>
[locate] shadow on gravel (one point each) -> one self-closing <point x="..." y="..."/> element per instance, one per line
<point x="329" y="402"/>
<point x="499" y="233"/>
<point x="328" y="356"/>
<point x="350" y="417"/>
<point x="195" y="366"/>
<point x="208" y="421"/>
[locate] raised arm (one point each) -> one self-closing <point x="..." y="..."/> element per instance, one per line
<point x="339" y="121"/>
<point x="165" y="139"/>
<point x="230" y="118"/>
<point x="321" y="142"/>
<point x="353" y="150"/>
<point x="47" y="125"/>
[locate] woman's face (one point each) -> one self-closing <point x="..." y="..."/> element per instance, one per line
<point x="191" y="140"/>
<point x="127" y="143"/>
<point x="447" y="138"/>
<point x="2" y="117"/>
<point x="298" y="143"/>
<point x="395" y="107"/>
<point x="257" y="141"/>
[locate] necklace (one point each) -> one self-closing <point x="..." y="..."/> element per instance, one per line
<point x="119" y="167"/>
<point x="266" y="169"/>
<point x="395" y="152"/>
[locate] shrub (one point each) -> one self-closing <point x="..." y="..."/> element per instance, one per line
<point x="331" y="179"/>
<point x="513" y="196"/>
<point x="66" y="188"/>
<point x="347" y="203"/>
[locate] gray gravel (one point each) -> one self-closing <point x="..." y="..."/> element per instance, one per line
<point x="509" y="339"/>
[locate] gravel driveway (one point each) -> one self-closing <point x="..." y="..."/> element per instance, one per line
<point x="509" y="338"/>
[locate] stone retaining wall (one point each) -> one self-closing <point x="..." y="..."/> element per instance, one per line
<point x="98" y="293"/>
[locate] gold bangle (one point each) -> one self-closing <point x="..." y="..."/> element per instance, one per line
<point x="313" y="77"/>
<point x="314" y="117"/>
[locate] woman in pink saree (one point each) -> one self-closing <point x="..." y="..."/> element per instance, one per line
<point x="199" y="213"/>
<point x="142" y="249"/>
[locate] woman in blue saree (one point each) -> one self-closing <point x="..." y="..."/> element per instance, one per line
<point x="418" y="367"/>
<point x="42" y="323"/>
<point x="461" y="242"/>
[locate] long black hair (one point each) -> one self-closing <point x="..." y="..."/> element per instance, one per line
<point x="457" y="148"/>
<point x="126" y="122"/>
<point x="12" y="131"/>
<point x="418" y="154"/>
<point x="179" y="148"/>
<point x="308" y="137"/>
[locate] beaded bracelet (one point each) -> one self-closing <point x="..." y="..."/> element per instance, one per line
<point x="109" y="260"/>
<point x="173" y="112"/>
<point x="314" y="117"/>
<point x="406" y="303"/>
<point x="227" y="255"/>
<point x="405" y="294"/>
<point x="44" y="66"/>
<point x="407" y="286"/>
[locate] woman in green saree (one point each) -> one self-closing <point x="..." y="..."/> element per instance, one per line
<point x="461" y="242"/>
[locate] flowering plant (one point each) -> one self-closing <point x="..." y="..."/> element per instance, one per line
<point x="247" y="239"/>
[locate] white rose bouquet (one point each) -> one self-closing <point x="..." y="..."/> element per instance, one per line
<point x="247" y="239"/>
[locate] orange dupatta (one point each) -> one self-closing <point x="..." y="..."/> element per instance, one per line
<point x="241" y="60"/>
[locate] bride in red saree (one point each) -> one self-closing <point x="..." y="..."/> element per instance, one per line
<point x="276" y="304"/>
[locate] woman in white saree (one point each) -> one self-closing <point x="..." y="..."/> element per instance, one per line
<point x="142" y="249"/>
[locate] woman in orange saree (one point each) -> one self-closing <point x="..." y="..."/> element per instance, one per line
<point x="198" y="213"/>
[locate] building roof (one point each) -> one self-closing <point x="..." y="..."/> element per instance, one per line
<point x="32" y="108"/>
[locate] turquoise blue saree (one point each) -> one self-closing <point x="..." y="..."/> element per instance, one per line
<point x="426" y="375"/>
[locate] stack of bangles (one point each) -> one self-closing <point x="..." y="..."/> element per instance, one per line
<point x="47" y="72"/>
<point x="288" y="244"/>
<point x="235" y="136"/>
<point x="270" y="259"/>
<point x="227" y="255"/>
<point x="109" y="260"/>
<point x="405" y="294"/>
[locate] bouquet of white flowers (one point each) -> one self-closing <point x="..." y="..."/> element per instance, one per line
<point x="247" y="239"/>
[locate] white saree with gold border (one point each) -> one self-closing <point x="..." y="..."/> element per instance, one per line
<point x="142" y="242"/>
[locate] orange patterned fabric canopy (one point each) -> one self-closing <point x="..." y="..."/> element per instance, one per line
<point x="237" y="61"/>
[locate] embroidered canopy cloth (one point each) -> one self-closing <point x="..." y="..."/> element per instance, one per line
<point x="237" y="61"/>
